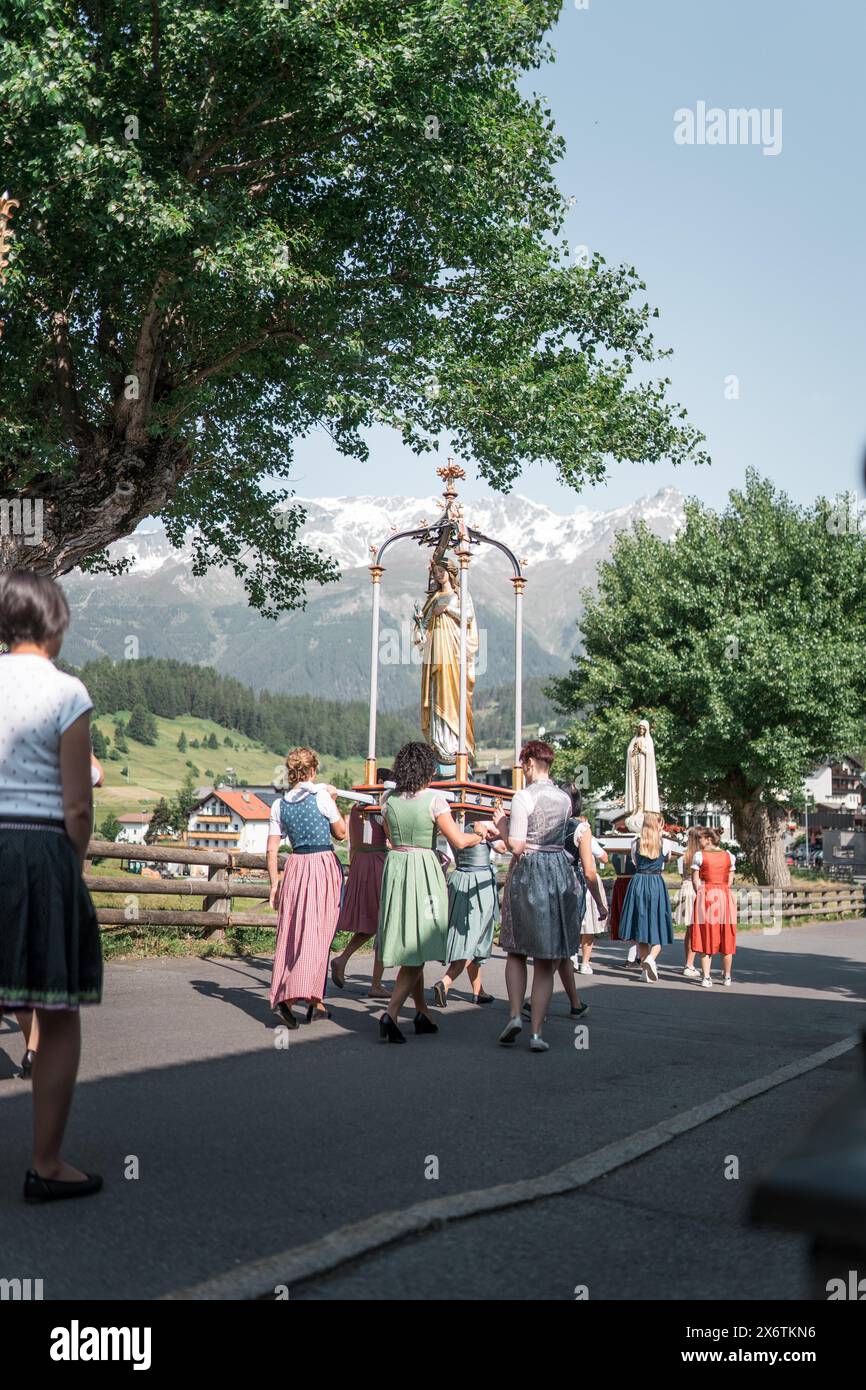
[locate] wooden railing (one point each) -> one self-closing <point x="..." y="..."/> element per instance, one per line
<point x="755" y="906"/>
<point x="217" y="890"/>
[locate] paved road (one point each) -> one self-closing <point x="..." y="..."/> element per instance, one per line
<point x="245" y="1150"/>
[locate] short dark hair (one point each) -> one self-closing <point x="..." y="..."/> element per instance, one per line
<point x="538" y="751"/>
<point x="384" y="774"/>
<point x="32" y="608"/>
<point x="414" y="767"/>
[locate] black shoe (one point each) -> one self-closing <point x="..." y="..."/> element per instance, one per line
<point x="423" y="1024"/>
<point x="579" y="1011"/>
<point x="27" y="1064"/>
<point x="284" y="1011"/>
<point x="440" y="994"/>
<point x="527" y="1010"/>
<point x="314" y="1013"/>
<point x="482" y="997"/>
<point x="38" y="1189"/>
<point x="388" y="1030"/>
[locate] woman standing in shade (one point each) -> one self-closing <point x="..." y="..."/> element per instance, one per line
<point x="50" y="951"/>
<point x="542" y="902"/>
<point x="714" y="929"/>
<point x="684" y="911"/>
<point x="585" y="851"/>
<point x="646" y="911"/>
<point x="308" y="898"/>
<point x="413" y="913"/>
<point x="359" y="913"/>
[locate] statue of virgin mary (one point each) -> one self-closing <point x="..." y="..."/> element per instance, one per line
<point x="641" y="781"/>
<point x="437" y="632"/>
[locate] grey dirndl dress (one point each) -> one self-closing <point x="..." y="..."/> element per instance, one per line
<point x="472" y="905"/>
<point x="543" y="901"/>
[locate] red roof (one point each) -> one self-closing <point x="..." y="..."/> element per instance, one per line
<point x="244" y="804"/>
<point x="134" y="818"/>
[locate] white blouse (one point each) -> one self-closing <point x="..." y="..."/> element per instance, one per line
<point x="38" y="704"/>
<point x="325" y="802"/>
<point x="698" y="859"/>
<point x="582" y="829"/>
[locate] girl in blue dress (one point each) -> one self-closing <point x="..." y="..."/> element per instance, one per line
<point x="646" y="911"/>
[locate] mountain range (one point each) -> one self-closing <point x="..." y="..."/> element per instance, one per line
<point x="325" y="648"/>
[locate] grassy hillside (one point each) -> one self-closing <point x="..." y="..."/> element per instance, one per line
<point x="158" y="770"/>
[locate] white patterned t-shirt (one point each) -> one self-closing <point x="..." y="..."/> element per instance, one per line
<point x="38" y="704"/>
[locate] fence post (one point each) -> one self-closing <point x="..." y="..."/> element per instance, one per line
<point x="219" y="906"/>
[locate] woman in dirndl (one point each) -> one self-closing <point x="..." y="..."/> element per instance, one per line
<point x="543" y="900"/>
<point x="714" y="929"/>
<point x="646" y="911"/>
<point x="359" y="913"/>
<point x="413" y="914"/>
<point x="307" y="897"/>
<point x="473" y="903"/>
<point x="50" y="950"/>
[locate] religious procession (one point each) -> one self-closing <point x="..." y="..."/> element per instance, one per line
<point x="425" y="838"/>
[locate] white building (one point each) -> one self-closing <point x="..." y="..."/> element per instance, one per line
<point x="133" y="829"/>
<point x="229" y="818"/>
<point x="837" y="786"/>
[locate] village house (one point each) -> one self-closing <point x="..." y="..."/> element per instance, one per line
<point x="229" y="818"/>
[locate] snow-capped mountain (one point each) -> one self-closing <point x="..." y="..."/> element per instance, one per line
<point x="324" y="649"/>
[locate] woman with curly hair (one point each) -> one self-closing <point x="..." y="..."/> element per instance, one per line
<point x="542" y="904"/>
<point x="308" y="897"/>
<point x="413" y="912"/>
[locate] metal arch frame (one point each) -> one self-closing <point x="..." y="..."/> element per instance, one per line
<point x="431" y="535"/>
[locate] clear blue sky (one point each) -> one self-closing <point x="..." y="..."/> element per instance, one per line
<point x="755" y="262"/>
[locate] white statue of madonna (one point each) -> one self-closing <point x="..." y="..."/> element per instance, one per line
<point x="641" y="780"/>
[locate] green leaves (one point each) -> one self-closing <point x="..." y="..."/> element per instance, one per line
<point x="743" y="640"/>
<point x="276" y="219"/>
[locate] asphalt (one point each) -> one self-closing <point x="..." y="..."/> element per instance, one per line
<point x="244" y="1149"/>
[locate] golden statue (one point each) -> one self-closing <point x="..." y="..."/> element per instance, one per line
<point x="437" y="632"/>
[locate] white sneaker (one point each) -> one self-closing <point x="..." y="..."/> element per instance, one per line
<point x="632" y="954"/>
<point x="585" y="970"/>
<point x="727" y="980"/>
<point x="510" y="1032"/>
<point x="691" y="973"/>
<point x="651" y="969"/>
<point x="537" y="1044"/>
<point x="707" y="982"/>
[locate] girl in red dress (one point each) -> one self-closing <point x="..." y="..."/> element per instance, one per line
<point x="714" y="928"/>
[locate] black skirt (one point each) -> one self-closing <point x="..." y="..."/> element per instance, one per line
<point x="50" y="949"/>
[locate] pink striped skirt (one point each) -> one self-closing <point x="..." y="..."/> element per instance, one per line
<point x="360" y="910"/>
<point x="307" y="910"/>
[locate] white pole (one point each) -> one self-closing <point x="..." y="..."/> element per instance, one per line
<point x="463" y="771"/>
<point x="376" y="572"/>
<point x="519" y="585"/>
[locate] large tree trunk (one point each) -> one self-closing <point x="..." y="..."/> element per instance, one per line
<point x="760" y="829"/>
<point x="61" y="520"/>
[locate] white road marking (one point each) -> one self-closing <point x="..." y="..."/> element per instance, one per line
<point x="258" y="1279"/>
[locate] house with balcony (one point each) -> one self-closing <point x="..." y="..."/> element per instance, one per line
<point x="229" y="818"/>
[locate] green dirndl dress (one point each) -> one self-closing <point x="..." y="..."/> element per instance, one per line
<point x="413" y="911"/>
<point x="473" y="901"/>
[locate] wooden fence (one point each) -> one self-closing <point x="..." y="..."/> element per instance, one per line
<point x="755" y="906"/>
<point x="217" y="890"/>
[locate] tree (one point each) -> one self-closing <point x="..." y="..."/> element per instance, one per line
<point x="110" y="827"/>
<point x="181" y="743"/>
<point x="142" y="726"/>
<point x="120" y="743"/>
<point x="212" y="741"/>
<point x="98" y="742"/>
<point x="184" y="802"/>
<point x="161" y="822"/>
<point x="241" y="222"/>
<point x="743" y="640"/>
